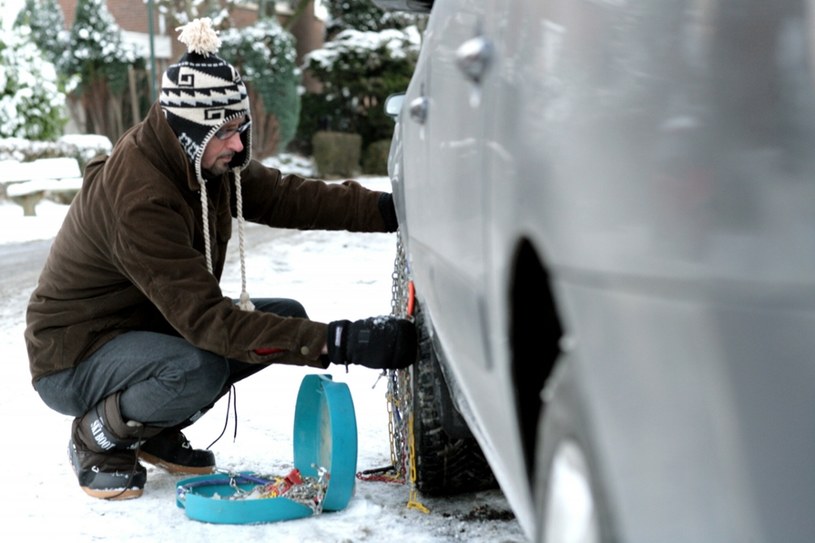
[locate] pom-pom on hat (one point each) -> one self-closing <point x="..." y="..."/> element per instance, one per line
<point x="199" y="94"/>
<point x="202" y="92"/>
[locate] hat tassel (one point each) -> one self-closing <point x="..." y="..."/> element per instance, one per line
<point x="205" y="218"/>
<point x="245" y="302"/>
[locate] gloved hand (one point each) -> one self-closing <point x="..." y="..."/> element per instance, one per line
<point x="388" y="211"/>
<point x="376" y="342"/>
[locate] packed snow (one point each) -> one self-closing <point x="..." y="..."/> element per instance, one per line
<point x="335" y="275"/>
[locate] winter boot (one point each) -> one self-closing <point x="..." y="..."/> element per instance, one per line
<point x="172" y="451"/>
<point x="101" y="453"/>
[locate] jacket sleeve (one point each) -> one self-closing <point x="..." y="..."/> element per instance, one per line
<point x="153" y="248"/>
<point x="292" y="201"/>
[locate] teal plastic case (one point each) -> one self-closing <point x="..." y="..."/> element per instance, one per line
<point x="325" y="435"/>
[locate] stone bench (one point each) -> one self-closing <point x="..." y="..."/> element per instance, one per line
<point x="27" y="183"/>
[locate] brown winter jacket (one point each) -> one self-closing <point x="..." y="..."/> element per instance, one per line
<point x="130" y="255"/>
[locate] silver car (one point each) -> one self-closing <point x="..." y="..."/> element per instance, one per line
<point x="608" y="212"/>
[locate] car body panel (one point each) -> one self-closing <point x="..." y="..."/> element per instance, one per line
<point x="657" y="156"/>
<point x="452" y="268"/>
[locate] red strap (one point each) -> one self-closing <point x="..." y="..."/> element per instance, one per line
<point x="263" y="351"/>
<point x="411" y="301"/>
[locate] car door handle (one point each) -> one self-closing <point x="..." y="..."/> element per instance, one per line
<point x="418" y="109"/>
<point x="473" y="58"/>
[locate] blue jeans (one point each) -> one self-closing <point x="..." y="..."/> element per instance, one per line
<point x="165" y="381"/>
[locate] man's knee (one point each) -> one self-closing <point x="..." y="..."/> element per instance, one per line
<point x="202" y="375"/>
<point x="59" y="396"/>
<point x="182" y="388"/>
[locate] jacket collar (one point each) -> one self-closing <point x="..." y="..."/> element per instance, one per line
<point x="164" y="150"/>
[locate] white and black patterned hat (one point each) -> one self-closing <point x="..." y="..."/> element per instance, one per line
<point x="202" y="92"/>
<point x="199" y="94"/>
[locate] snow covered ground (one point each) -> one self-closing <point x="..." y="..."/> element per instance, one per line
<point x="335" y="275"/>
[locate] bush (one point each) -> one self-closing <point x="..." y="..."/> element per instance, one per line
<point x="364" y="15"/>
<point x="265" y="56"/>
<point x="82" y="147"/>
<point x="358" y="71"/>
<point x="314" y="112"/>
<point x="98" y="58"/>
<point x="336" y="154"/>
<point x="47" y="24"/>
<point x="31" y="105"/>
<point x="375" y="161"/>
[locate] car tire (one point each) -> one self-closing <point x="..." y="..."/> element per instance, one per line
<point x="447" y="462"/>
<point x="570" y="497"/>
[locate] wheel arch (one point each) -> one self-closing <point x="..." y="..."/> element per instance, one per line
<point x="535" y="331"/>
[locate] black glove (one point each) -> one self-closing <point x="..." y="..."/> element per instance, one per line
<point x="388" y="211"/>
<point x="377" y="342"/>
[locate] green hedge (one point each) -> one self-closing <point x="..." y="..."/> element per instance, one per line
<point x="337" y="154"/>
<point x="375" y="160"/>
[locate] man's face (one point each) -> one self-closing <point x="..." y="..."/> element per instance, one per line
<point x="223" y="146"/>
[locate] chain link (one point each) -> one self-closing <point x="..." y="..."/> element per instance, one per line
<point x="399" y="395"/>
<point x="400" y="391"/>
<point x="398" y="379"/>
<point x="399" y="285"/>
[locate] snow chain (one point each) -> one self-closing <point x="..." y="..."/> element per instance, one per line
<point x="399" y="395"/>
<point x="400" y="391"/>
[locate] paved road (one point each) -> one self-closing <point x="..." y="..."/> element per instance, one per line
<point x="20" y="265"/>
<point x="29" y="255"/>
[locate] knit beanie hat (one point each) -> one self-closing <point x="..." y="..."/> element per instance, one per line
<point x="199" y="94"/>
<point x="202" y="92"/>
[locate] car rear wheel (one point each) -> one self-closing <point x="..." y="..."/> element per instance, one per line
<point x="449" y="460"/>
<point x="571" y="501"/>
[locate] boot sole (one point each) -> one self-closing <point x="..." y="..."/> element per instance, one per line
<point x="113" y="494"/>
<point x="176" y="469"/>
